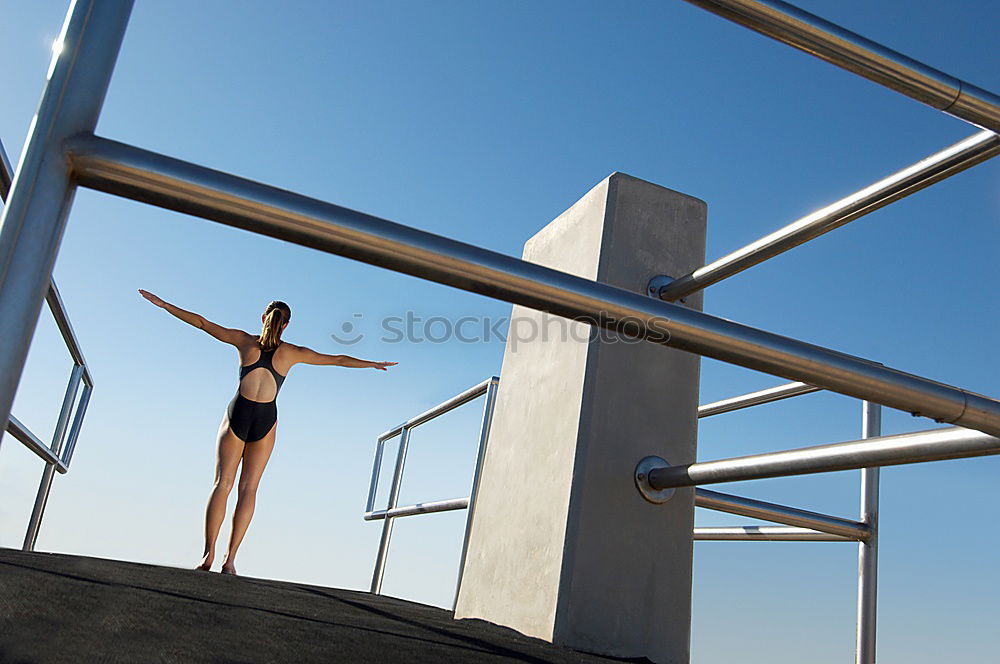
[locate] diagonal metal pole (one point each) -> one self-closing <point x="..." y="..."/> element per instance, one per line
<point x="42" y="191"/>
<point x="757" y="398"/>
<point x="789" y="516"/>
<point x="864" y="57"/>
<point x="943" y="164"/>
<point x="132" y="172"/>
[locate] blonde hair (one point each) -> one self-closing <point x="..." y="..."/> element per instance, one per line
<point x="276" y="315"/>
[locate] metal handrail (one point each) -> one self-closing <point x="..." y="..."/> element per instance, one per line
<point x="757" y="398"/>
<point x="132" y="172"/>
<point x="393" y="511"/>
<point x="58" y="310"/>
<point x="864" y="57"/>
<point x="954" y="159"/>
<point x="41" y="194"/>
<point x="33" y="443"/>
<point x="797" y="524"/>
<point x="801" y="525"/>
<point x="419" y="508"/>
<point x="58" y="454"/>
<point x="460" y="399"/>
<point x="921" y="446"/>
<point x="790" y="516"/>
<point x="764" y="534"/>
<point x="720" y="502"/>
<point x="67" y="116"/>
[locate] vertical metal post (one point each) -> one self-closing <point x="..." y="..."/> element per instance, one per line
<point x="397" y="480"/>
<point x="484" y="436"/>
<point x="41" y="498"/>
<point x="376" y="467"/>
<point x="58" y="438"/>
<point x="6" y="177"/>
<point x="74" y="431"/>
<point x="868" y="549"/>
<point x="42" y="191"/>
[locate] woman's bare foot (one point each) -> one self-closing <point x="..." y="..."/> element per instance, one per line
<point x="229" y="567"/>
<point x="206" y="563"/>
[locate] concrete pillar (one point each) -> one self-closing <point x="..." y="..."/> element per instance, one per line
<point x="562" y="546"/>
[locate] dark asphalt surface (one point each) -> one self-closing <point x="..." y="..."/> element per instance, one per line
<point x="62" y="608"/>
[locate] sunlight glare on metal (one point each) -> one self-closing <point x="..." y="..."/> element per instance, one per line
<point x="57" y="48"/>
<point x="59" y="45"/>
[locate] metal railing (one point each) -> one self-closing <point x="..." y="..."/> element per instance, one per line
<point x="392" y="510"/>
<point x="817" y="527"/>
<point x="59" y="452"/>
<point x="858" y="55"/>
<point x="954" y="159"/>
<point x="797" y="525"/>
<point x="62" y="132"/>
<point x="63" y="129"/>
<point x="135" y="173"/>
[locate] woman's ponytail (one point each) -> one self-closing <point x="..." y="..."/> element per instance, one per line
<point x="275" y="316"/>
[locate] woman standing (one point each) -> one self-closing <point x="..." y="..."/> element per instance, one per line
<point x="249" y="425"/>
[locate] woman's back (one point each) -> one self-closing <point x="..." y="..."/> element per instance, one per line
<point x="262" y="372"/>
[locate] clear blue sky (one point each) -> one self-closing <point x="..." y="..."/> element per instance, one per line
<point x="482" y="121"/>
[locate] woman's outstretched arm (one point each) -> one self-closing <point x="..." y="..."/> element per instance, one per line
<point x="223" y="334"/>
<point x="309" y="356"/>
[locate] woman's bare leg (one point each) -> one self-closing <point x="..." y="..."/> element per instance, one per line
<point x="227" y="461"/>
<point x="255" y="457"/>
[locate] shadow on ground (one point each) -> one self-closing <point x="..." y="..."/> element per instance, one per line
<point x="62" y="608"/>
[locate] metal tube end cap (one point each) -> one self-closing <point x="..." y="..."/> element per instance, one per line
<point x="658" y="283"/>
<point x="656" y="496"/>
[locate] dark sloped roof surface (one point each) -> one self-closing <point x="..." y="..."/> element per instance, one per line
<point x="62" y="608"/>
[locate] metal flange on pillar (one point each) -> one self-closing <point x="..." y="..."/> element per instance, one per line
<point x="648" y="491"/>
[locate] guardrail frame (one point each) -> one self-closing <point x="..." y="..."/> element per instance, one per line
<point x="393" y="511"/>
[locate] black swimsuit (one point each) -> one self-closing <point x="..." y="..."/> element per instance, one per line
<point x="251" y="420"/>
